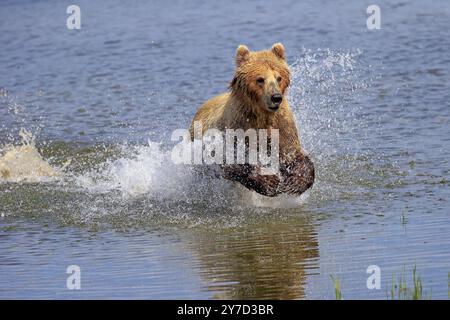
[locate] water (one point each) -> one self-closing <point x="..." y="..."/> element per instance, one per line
<point x="91" y="183"/>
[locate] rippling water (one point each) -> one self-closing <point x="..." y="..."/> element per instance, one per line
<point x="97" y="107"/>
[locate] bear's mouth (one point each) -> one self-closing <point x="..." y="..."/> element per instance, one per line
<point x="274" y="107"/>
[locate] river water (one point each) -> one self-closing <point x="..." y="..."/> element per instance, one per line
<point x="85" y="123"/>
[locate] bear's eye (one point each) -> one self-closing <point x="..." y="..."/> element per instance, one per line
<point x="260" y="80"/>
<point x="279" y="79"/>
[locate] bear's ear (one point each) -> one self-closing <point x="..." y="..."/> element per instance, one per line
<point x="242" y="54"/>
<point x="278" y="50"/>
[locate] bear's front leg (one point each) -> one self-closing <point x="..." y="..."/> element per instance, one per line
<point x="298" y="175"/>
<point x="251" y="178"/>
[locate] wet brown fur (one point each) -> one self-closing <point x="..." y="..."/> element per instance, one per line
<point x="244" y="107"/>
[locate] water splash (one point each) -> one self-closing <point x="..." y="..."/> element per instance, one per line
<point x="149" y="171"/>
<point x="141" y="170"/>
<point x="24" y="163"/>
<point x="325" y="92"/>
<point x="327" y="95"/>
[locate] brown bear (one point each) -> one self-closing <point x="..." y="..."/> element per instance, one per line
<point x="257" y="100"/>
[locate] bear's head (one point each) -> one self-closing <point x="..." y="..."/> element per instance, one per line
<point x="262" y="77"/>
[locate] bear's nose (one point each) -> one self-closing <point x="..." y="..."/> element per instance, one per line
<point x="276" y="98"/>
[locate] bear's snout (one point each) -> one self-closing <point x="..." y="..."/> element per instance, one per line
<point x="276" y="101"/>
